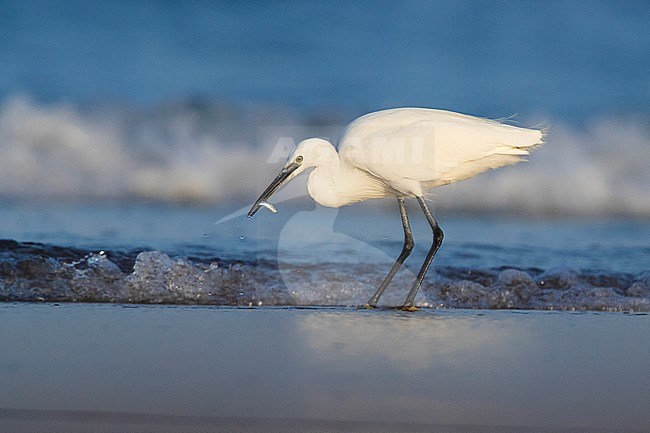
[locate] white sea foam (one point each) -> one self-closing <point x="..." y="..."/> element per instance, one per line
<point x="168" y="155"/>
<point x="37" y="272"/>
<point x="206" y="153"/>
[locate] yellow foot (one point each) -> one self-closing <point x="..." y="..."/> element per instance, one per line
<point x="368" y="307"/>
<point x="411" y="308"/>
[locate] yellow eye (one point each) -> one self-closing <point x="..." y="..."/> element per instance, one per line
<point x="298" y="159"/>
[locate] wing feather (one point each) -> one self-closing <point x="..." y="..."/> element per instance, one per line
<point x="434" y="147"/>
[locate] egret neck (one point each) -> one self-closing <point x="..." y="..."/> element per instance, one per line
<point x="334" y="184"/>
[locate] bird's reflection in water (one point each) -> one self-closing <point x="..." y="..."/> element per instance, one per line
<point x="413" y="343"/>
<point x="394" y="365"/>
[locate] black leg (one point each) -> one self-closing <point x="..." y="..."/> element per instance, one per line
<point x="437" y="241"/>
<point x="406" y="250"/>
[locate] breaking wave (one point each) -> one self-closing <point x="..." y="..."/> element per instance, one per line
<point x="34" y="272"/>
<point x="203" y="152"/>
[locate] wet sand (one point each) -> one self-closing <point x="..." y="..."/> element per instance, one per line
<point x="92" y="367"/>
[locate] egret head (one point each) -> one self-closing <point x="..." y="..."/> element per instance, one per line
<point x="307" y="154"/>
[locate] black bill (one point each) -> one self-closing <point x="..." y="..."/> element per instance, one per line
<point x="273" y="187"/>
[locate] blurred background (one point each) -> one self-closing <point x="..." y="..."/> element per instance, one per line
<point x="192" y="102"/>
<point x="129" y="127"/>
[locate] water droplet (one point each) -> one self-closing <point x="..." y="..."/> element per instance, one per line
<point x="241" y="293"/>
<point x="241" y="237"/>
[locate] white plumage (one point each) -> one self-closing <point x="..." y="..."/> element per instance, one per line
<point x="403" y="152"/>
<point x="434" y="147"/>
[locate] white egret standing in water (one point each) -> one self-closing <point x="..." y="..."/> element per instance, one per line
<point x="402" y="153"/>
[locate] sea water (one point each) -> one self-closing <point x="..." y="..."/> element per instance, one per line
<point x="308" y="255"/>
<point x="566" y="59"/>
<point x="133" y="136"/>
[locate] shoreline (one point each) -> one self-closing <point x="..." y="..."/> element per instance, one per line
<point x="103" y="367"/>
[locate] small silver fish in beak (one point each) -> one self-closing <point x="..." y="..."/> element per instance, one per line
<point x="269" y="206"/>
<point x="273" y="187"/>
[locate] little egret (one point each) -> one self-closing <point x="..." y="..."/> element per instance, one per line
<point x="402" y="153"/>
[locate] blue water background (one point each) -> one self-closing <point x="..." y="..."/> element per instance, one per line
<point x="367" y="233"/>
<point x="550" y="58"/>
<point x="198" y="102"/>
